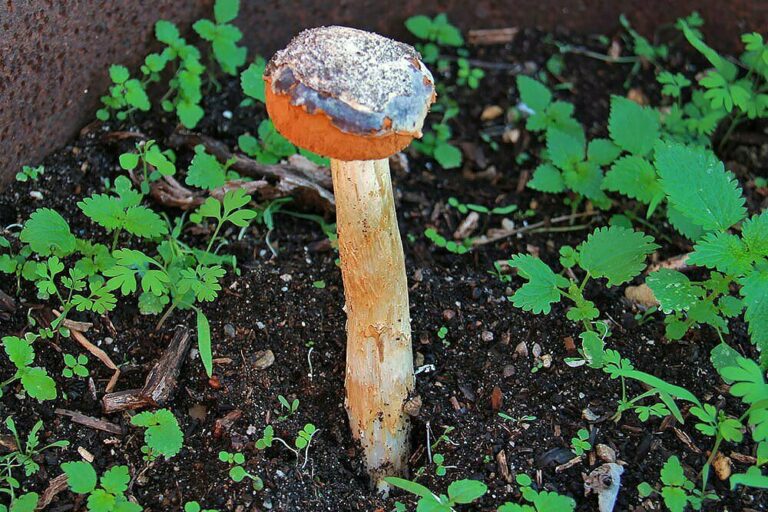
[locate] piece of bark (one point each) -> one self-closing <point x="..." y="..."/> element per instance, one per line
<point x="56" y="486"/>
<point x="7" y="306"/>
<point x="160" y="383"/>
<point x="309" y="187"/>
<point x="222" y="425"/>
<point x="90" y="422"/>
<point x="679" y="262"/>
<point x="492" y="36"/>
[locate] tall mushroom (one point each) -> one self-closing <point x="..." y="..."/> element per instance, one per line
<point x="358" y="98"/>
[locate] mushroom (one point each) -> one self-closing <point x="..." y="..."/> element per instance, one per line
<point x="359" y="98"/>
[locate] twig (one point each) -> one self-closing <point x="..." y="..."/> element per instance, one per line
<point x="492" y="36"/>
<point x="160" y="383"/>
<point x="56" y="486"/>
<point x="501" y="234"/>
<point x="90" y="422"/>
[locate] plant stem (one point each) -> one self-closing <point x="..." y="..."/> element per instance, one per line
<point x="165" y="316"/>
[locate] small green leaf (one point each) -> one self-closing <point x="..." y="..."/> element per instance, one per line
<point x="48" y="233"/>
<point x="632" y="127"/>
<point x="204" y="342"/>
<point x="615" y="253"/>
<point x="81" y="476"/>
<point x="466" y="491"/>
<point x="543" y="287"/>
<point x="533" y="93"/>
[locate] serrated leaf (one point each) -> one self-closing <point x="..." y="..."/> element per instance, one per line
<point x="546" y="178"/>
<point x="205" y="171"/>
<point x="698" y="186"/>
<point x="565" y="149"/>
<point x="81" y="476"/>
<point x="602" y="151"/>
<point x="632" y="127"/>
<point x="673" y="290"/>
<point x="47" y="233"/>
<point x="115" y="479"/>
<point x="585" y="178"/>
<point x="634" y="177"/>
<point x="754" y="231"/>
<point x="38" y="384"/>
<point x="533" y="93"/>
<point x="252" y="81"/>
<point x="683" y="224"/>
<point x="19" y="351"/>
<point x="143" y="222"/>
<point x="754" y="289"/>
<point x="166" y="32"/>
<point x="543" y="286"/>
<point x="162" y="434"/>
<point x="189" y="113"/>
<point x="101" y="501"/>
<point x="615" y="253"/>
<point x="722" y="251"/>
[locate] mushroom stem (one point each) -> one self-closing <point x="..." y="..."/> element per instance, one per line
<point x="379" y="358"/>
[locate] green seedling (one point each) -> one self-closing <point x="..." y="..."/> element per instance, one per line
<point x="223" y="35"/>
<point x="163" y="436"/>
<point x="580" y="444"/>
<point x="105" y="494"/>
<point x="289" y="407"/>
<point x="155" y="163"/>
<point x="29" y="173"/>
<point x="75" y="366"/>
<point x="436" y="144"/>
<point x="238" y="472"/>
<point x="449" y="245"/>
<point x="126" y="95"/>
<point x="465" y="208"/>
<point x="33" y="379"/>
<point x="677" y="491"/>
<point x="540" y="501"/>
<point x="193" y="506"/>
<point x="460" y="492"/>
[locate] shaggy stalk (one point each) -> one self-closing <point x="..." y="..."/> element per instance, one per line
<point x="379" y="376"/>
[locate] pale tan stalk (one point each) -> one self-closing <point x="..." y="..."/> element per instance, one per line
<point x="379" y="359"/>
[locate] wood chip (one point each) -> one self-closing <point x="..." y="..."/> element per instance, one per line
<point x="686" y="440"/>
<point x="160" y="383"/>
<point x="90" y="422"/>
<point x="501" y="464"/>
<point x="467" y="226"/>
<point x="743" y="459"/>
<point x="569" y="464"/>
<point x="491" y="112"/>
<point x="497" y="398"/>
<point x="55" y="486"/>
<point x="85" y="454"/>
<point x="488" y="36"/>
<point x="223" y="424"/>
<point x="7" y="306"/>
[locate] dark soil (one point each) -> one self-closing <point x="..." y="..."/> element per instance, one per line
<point x="274" y="305"/>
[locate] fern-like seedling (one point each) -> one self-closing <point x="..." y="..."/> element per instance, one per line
<point x="123" y="212"/>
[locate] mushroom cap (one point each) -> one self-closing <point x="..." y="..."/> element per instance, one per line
<point x="348" y="94"/>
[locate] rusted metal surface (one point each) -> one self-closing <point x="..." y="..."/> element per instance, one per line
<point x="54" y="54"/>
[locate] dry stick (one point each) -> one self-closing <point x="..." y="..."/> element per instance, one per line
<point x="309" y="186"/>
<point x="97" y="352"/>
<point x="531" y="227"/>
<point x="90" y="422"/>
<point x="56" y="486"/>
<point x="160" y="383"/>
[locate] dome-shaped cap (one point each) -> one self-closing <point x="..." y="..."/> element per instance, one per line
<point x="348" y="94"/>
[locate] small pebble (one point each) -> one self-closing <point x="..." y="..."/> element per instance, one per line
<point x="229" y="330"/>
<point x="486" y="336"/>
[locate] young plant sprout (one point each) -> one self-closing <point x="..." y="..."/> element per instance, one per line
<point x="358" y="98"/>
